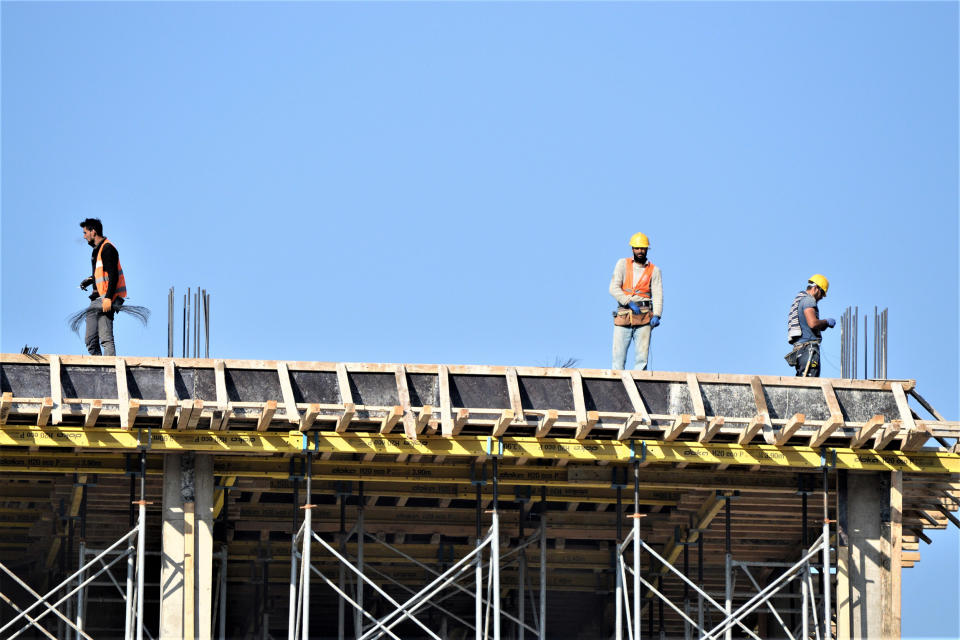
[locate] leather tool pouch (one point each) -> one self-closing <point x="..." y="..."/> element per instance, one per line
<point x="627" y="318"/>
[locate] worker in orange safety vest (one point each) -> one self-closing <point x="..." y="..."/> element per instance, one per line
<point x="637" y="288"/>
<point x="110" y="289"/>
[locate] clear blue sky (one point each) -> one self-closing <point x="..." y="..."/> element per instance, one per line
<point x="418" y="182"/>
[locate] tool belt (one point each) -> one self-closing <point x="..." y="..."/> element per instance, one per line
<point x="793" y="357"/>
<point x="624" y="317"/>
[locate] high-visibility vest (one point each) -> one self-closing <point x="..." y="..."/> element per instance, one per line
<point x="103" y="280"/>
<point x="642" y="286"/>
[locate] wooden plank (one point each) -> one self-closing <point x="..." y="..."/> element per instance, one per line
<point x="513" y="391"/>
<point x="91" y="415"/>
<point x="286" y="389"/>
<point x="579" y="403"/>
<point x="391" y="419"/>
<point x="678" y="426"/>
<point x="267" y="415"/>
<point x="834" y="422"/>
<point x="584" y="428"/>
<point x="506" y="417"/>
<point x="713" y="428"/>
<point x="343" y="422"/>
<point x="186" y="410"/>
<point x="56" y="390"/>
<point x="634" y="421"/>
<point x="46" y="408"/>
<point x="426" y="413"/>
<point x="224" y="410"/>
<point x="195" y="414"/>
<point x="133" y="407"/>
<point x="867" y="431"/>
<point x="906" y="416"/>
<point x="753" y="427"/>
<point x="635" y="399"/>
<point x="403" y="396"/>
<point x="123" y="393"/>
<point x="461" y="420"/>
<point x="6" y="402"/>
<point x="546" y="423"/>
<point x="758" y="396"/>
<point x="170" y="393"/>
<point x="887" y="434"/>
<point x="446" y="412"/>
<point x="793" y="425"/>
<point x="343" y="382"/>
<point x="693" y="386"/>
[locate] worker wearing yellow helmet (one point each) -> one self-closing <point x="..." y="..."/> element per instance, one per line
<point x="637" y="288"/>
<point x="804" y="326"/>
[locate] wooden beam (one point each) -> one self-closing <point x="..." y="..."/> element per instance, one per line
<point x="343" y="422"/>
<point x="426" y="413"/>
<point x="867" y="431"/>
<point x="267" y="415"/>
<point x="513" y="391"/>
<point x="46" y="408"/>
<point x="906" y="416"/>
<point x="793" y="425"/>
<point x="170" y="394"/>
<point x="634" y="421"/>
<point x="630" y="385"/>
<point x="579" y="403"/>
<point x="133" y="407"/>
<point x="712" y="429"/>
<point x="461" y="420"/>
<point x="343" y="383"/>
<point x="756" y="423"/>
<point x="681" y="423"/>
<point x="584" y="428"/>
<point x="886" y="436"/>
<point x="835" y="420"/>
<point x="123" y="393"/>
<point x="546" y="423"/>
<point x="446" y="410"/>
<point x="91" y="415"/>
<point x="286" y="390"/>
<point x="503" y="422"/>
<point x="6" y="402"/>
<point x="403" y="397"/>
<point x="309" y="417"/>
<point x="391" y="419"/>
<point x="693" y="386"/>
<point x="56" y="390"/>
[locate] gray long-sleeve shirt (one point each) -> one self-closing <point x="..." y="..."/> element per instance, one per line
<point x="656" y="286"/>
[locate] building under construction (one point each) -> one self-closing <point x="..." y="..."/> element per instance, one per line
<point x="203" y="498"/>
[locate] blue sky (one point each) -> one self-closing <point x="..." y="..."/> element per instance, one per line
<point x="419" y="182"/>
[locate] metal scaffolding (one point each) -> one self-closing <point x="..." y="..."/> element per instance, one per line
<point x="482" y="567"/>
<point x="630" y="583"/>
<point x="75" y="584"/>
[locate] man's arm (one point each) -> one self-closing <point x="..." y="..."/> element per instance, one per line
<point x="616" y="283"/>
<point x="811" y="317"/>
<point x="656" y="292"/>
<point x="111" y="262"/>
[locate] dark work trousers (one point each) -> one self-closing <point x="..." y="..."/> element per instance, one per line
<point x="810" y="353"/>
<point x="99" y="330"/>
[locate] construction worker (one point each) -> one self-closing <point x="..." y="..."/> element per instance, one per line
<point x="109" y="291"/>
<point x="637" y="288"/>
<point x="804" y="326"/>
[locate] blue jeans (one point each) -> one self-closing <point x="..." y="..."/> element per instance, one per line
<point x="99" y="329"/>
<point x="622" y="336"/>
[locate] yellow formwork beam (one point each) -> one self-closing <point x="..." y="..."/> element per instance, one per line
<point x="650" y="452"/>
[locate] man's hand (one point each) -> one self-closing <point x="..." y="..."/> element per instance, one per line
<point x="830" y="322"/>
<point x="86" y="282"/>
<point x="654" y="322"/>
<point x="107" y="305"/>
<point x="634" y="307"/>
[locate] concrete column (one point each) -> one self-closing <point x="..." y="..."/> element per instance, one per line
<point x="868" y="599"/>
<point x="186" y="478"/>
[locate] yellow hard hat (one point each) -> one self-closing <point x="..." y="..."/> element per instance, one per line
<point x="639" y="240"/>
<point x="821" y="282"/>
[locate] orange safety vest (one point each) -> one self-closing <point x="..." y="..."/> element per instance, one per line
<point x="103" y="281"/>
<point x="642" y="287"/>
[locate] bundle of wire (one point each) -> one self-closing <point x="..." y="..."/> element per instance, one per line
<point x="79" y="319"/>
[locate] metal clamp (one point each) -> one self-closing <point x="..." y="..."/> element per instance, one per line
<point x="828" y="458"/>
<point x="140" y="445"/>
<point x="615" y="480"/>
<point x="490" y="453"/>
<point x="643" y="451"/>
<point x="482" y="480"/>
